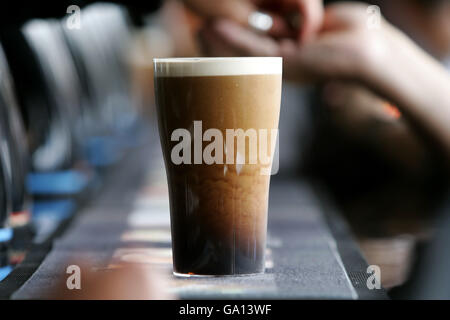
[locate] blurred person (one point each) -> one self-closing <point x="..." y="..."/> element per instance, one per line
<point x="428" y="24"/>
<point x="387" y="168"/>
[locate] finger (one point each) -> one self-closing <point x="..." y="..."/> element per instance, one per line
<point x="236" y="10"/>
<point x="245" y="40"/>
<point x="282" y="27"/>
<point x="285" y="17"/>
<point x="312" y="12"/>
<point x="340" y="16"/>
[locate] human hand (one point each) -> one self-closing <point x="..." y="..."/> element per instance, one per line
<point x="296" y="19"/>
<point x="299" y="19"/>
<point x="344" y="48"/>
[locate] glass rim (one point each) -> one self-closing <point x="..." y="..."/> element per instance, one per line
<point x="217" y="66"/>
<point x="197" y="59"/>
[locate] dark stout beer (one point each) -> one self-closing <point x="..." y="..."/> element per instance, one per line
<point x="219" y="210"/>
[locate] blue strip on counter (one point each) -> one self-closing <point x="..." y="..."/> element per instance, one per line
<point x="57" y="183"/>
<point x="48" y="215"/>
<point x="6" y="234"/>
<point x="5" y="271"/>
<point x="57" y="209"/>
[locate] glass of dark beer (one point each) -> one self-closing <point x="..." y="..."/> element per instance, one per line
<point x="218" y="122"/>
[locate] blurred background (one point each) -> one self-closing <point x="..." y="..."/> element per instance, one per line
<point x="74" y="101"/>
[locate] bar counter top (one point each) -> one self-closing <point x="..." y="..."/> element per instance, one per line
<point x="310" y="251"/>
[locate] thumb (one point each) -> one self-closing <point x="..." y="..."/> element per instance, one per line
<point x="312" y="12"/>
<point x="236" y="10"/>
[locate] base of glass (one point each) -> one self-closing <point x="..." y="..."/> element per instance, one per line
<point x="192" y="275"/>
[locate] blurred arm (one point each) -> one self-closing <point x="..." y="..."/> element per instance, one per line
<point x="419" y="84"/>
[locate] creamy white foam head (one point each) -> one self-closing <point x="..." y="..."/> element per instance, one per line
<point x="196" y="67"/>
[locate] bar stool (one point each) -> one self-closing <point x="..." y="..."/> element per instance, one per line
<point x="47" y="90"/>
<point x="14" y="129"/>
<point x="99" y="49"/>
<point x="6" y="232"/>
<point x="15" y="159"/>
